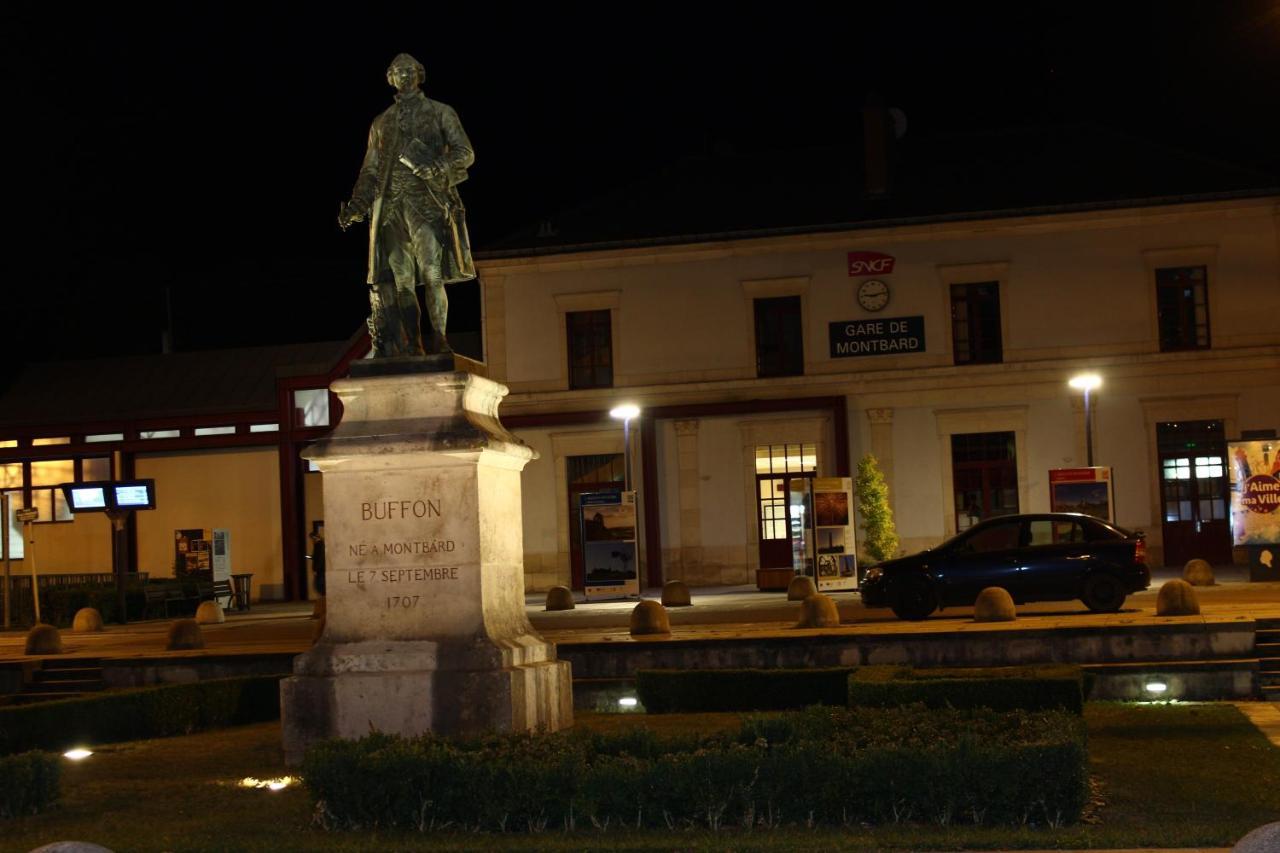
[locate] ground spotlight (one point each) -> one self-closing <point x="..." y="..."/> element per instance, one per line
<point x="77" y="754"/>
<point x="628" y="701"/>
<point x="1156" y="688"/>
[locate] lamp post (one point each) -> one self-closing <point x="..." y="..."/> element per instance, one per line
<point x="1087" y="382"/>
<point x="625" y="413"/>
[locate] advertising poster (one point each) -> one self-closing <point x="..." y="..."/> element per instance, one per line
<point x="1085" y="490"/>
<point x="193" y="553"/>
<point x="1255" y="503"/>
<point x="822" y="535"/>
<point x="609" y="545"/>
<point x="221" y="554"/>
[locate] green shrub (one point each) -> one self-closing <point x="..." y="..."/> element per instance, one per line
<point x="1005" y="688"/>
<point x="58" y="604"/>
<point x="28" y="783"/>
<point x="672" y="691"/>
<point x="828" y="766"/>
<point x="134" y="714"/>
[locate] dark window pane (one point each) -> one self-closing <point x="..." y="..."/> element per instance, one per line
<point x="975" y="323"/>
<point x="1182" y="306"/>
<point x="779" y="339"/>
<point x="590" y="349"/>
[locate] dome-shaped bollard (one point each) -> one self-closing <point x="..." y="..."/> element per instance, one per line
<point x="800" y="588"/>
<point x="1198" y="572"/>
<point x="649" y="617"/>
<point x="818" y="611"/>
<point x="210" y="613"/>
<point x="184" y="634"/>
<point x="676" y="594"/>
<point x="560" y="598"/>
<point x="994" y="604"/>
<point x="1264" y="839"/>
<point x="87" y="621"/>
<point x="1177" y="598"/>
<point x="44" y="640"/>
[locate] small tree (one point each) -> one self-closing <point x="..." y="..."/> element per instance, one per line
<point x="880" y="536"/>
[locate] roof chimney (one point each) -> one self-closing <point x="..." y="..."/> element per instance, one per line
<point x="875" y="146"/>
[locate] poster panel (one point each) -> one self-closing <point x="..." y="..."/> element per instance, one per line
<point x="193" y="553"/>
<point x="834" y="534"/>
<point x="221" y="554"/>
<point x="1084" y="490"/>
<point x="1255" y="491"/>
<point x="609" y="552"/>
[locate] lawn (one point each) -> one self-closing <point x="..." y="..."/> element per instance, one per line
<point x="1166" y="776"/>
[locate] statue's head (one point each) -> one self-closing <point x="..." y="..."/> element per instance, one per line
<point x="405" y="73"/>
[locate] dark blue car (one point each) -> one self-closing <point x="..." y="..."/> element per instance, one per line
<point x="1045" y="557"/>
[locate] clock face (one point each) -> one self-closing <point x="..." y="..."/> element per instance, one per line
<point x="873" y="295"/>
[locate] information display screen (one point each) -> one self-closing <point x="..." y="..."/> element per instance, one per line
<point x="133" y="495"/>
<point x="87" y="498"/>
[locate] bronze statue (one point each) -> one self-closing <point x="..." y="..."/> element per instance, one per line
<point x="407" y="188"/>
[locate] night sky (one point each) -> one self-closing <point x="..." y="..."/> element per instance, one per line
<point x="203" y="150"/>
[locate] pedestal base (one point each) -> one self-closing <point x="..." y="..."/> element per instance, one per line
<point x="351" y="690"/>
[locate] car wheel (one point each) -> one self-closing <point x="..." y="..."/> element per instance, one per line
<point x="914" y="599"/>
<point x="1102" y="593"/>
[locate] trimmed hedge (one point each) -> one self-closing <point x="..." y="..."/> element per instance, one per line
<point x="29" y="783"/>
<point x="1005" y="688"/>
<point x="673" y="691"/>
<point x="174" y="709"/>
<point x="827" y="766"/>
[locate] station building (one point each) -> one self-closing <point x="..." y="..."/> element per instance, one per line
<point x="773" y="319"/>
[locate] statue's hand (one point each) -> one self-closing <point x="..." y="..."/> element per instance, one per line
<point x="431" y="174"/>
<point x="349" y="214"/>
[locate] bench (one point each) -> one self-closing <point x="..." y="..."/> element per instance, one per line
<point x="166" y="595"/>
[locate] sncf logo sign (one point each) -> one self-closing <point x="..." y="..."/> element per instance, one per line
<point x="870" y="263"/>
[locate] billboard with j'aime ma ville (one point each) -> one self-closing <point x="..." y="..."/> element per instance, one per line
<point x="1255" y="491"/>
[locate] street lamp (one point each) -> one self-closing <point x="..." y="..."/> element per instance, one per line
<point x="1086" y="382"/>
<point x="625" y="413"/>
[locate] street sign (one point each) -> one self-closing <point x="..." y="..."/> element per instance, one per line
<point x="28" y="514"/>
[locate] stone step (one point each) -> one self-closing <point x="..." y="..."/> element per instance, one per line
<point x="84" y="672"/>
<point x="63" y="685"/>
<point x="52" y="664"/>
<point x="34" y="697"/>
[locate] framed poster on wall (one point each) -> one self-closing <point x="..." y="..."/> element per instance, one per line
<point x="1085" y="490"/>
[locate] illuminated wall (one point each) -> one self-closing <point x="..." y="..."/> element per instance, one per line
<point x="236" y="489"/>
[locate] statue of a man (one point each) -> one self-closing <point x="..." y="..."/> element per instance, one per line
<point x="407" y="188"/>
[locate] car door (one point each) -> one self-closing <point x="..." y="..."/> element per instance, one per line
<point x="986" y="557"/>
<point x="1052" y="561"/>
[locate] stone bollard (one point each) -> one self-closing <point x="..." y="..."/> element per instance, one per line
<point x="210" y="613"/>
<point x="649" y="617"/>
<point x="994" y="604"/>
<point x="800" y="588"/>
<point x="185" y="634"/>
<point x="1177" y="598"/>
<point x="560" y="598"/>
<point x="72" y="847"/>
<point x="87" y="621"/>
<point x="1264" y="839"/>
<point x="44" y="640"/>
<point x="1198" y="572"/>
<point x="676" y="594"/>
<point x="818" y="611"/>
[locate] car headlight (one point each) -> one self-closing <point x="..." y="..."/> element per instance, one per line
<point x="874" y="573"/>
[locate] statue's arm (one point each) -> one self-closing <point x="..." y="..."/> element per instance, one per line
<point x="366" y="187"/>
<point x="460" y="154"/>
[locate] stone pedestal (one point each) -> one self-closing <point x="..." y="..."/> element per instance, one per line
<point x="425" y="626"/>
